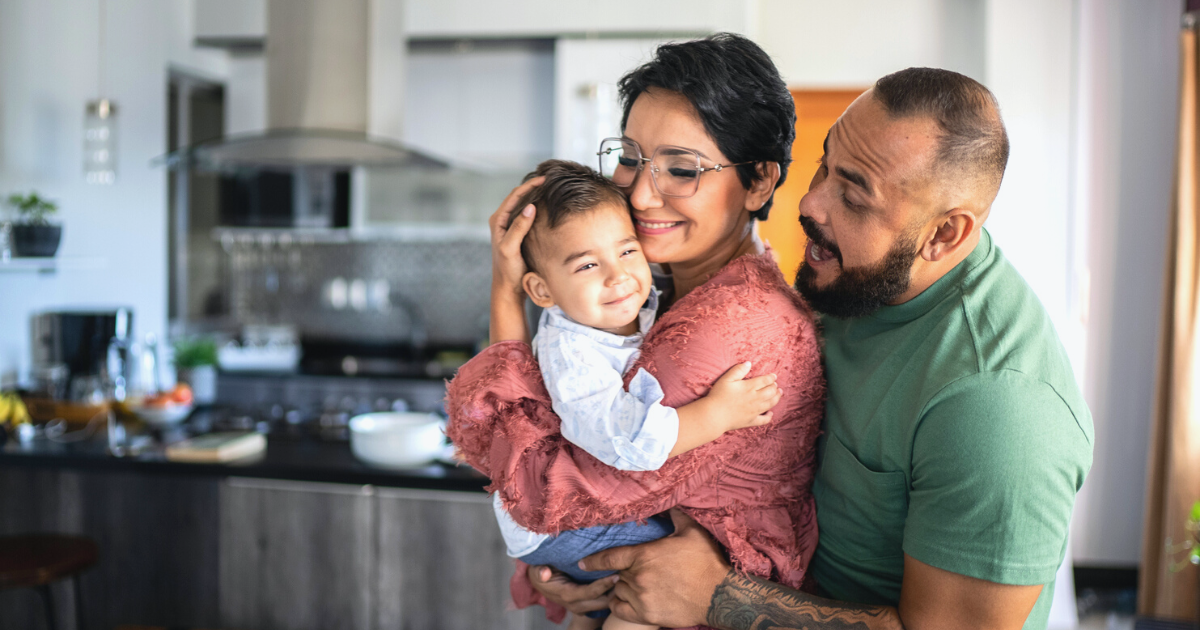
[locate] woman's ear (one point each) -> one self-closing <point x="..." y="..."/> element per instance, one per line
<point x="537" y="290"/>
<point x="762" y="188"/>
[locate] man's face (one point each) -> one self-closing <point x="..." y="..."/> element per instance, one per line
<point x="866" y="210"/>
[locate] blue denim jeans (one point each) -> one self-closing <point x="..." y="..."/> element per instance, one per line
<point x="564" y="551"/>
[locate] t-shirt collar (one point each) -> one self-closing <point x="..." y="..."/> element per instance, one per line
<point x="939" y="290"/>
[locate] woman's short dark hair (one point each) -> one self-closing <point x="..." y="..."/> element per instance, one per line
<point x="737" y="91"/>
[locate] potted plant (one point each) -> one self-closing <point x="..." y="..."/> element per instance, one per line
<point x="196" y="363"/>
<point x="1189" y="549"/>
<point x="33" y="234"/>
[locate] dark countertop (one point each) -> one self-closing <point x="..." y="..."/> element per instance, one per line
<point x="287" y="457"/>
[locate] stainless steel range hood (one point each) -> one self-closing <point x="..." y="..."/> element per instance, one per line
<point x="320" y="60"/>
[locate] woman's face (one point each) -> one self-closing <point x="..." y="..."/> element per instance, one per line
<point x="675" y="230"/>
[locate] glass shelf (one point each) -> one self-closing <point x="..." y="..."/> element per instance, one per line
<point x="50" y="264"/>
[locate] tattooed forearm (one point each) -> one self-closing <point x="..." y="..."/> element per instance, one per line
<point x="750" y="603"/>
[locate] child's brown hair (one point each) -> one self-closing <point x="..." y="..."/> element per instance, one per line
<point x="570" y="189"/>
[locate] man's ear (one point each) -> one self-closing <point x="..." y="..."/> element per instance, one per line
<point x="537" y="290"/>
<point x="951" y="233"/>
<point x="762" y="188"/>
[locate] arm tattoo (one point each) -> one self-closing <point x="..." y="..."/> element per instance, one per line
<point x="750" y="603"/>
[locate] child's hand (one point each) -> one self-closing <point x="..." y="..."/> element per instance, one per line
<point x="734" y="402"/>
<point x="737" y="402"/>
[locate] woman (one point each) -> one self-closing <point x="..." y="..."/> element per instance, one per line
<point x="718" y="103"/>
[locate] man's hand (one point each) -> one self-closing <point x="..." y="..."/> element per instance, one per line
<point x="575" y="597"/>
<point x="668" y="582"/>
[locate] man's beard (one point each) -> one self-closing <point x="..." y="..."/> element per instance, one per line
<point x="861" y="291"/>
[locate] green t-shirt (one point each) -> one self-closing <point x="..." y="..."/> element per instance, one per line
<point x="955" y="433"/>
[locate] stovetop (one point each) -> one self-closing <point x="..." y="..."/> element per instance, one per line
<point x="307" y="407"/>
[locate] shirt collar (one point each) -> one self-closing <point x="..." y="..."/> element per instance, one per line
<point x="942" y="288"/>
<point x="554" y="317"/>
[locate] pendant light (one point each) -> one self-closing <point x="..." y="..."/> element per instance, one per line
<point x="100" y="124"/>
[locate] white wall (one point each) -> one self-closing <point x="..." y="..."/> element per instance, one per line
<point x="541" y="18"/>
<point x="851" y="43"/>
<point x="47" y="72"/>
<point x="1028" y="68"/>
<point x="1128" y="95"/>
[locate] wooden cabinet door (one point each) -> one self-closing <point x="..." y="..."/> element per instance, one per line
<point x="442" y="564"/>
<point x="296" y="555"/>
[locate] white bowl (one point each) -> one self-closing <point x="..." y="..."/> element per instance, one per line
<point x="164" y="416"/>
<point x="391" y="439"/>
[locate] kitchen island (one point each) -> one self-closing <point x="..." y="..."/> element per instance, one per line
<point x="305" y="536"/>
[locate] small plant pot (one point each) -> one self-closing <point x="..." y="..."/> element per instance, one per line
<point x="203" y="381"/>
<point x="35" y="240"/>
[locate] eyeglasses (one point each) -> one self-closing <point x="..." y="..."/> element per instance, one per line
<point x="675" y="170"/>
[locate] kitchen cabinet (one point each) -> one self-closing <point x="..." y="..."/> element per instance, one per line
<point x="296" y="555"/>
<point x="205" y="551"/>
<point x="157" y="539"/>
<point x="442" y="563"/>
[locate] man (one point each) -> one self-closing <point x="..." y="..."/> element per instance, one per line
<point x="955" y="439"/>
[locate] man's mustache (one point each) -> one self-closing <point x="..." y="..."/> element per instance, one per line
<point x="814" y="234"/>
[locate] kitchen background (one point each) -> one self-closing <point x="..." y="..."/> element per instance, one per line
<point x="1087" y="88"/>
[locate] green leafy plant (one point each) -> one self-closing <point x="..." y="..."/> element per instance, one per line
<point x="33" y="208"/>
<point x="1190" y="549"/>
<point x="195" y="352"/>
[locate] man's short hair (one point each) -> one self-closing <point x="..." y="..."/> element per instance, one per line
<point x="973" y="143"/>
<point x="570" y="189"/>
<point x="737" y="92"/>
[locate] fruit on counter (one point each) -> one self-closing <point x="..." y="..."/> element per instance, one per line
<point x="12" y="410"/>
<point x="181" y="395"/>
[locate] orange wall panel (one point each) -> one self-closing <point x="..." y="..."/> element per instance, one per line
<point x="816" y="111"/>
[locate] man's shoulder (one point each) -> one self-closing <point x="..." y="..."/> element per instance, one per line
<point x="1011" y="329"/>
<point x="1009" y="352"/>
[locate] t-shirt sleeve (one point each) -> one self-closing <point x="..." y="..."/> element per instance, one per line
<point x="997" y="460"/>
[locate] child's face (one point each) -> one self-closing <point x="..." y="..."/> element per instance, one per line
<point x="592" y="267"/>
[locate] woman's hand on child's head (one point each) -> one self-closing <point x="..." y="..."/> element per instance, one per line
<point x="508" y="268"/>
<point x="740" y="402"/>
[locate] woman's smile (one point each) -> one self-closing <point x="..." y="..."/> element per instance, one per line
<point x="656" y="227"/>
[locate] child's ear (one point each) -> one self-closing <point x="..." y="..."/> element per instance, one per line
<point x="537" y="290"/>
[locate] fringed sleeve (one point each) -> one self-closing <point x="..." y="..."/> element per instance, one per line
<point x="502" y="423"/>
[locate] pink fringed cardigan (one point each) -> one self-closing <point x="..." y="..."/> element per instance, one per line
<point x="750" y="488"/>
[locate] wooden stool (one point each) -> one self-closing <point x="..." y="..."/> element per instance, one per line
<point x="36" y="560"/>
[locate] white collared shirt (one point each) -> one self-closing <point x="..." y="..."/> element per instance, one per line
<point x="583" y="369"/>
